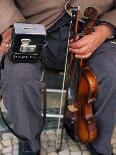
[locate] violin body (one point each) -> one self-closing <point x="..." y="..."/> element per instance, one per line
<point x="79" y="121"/>
<point x="87" y="95"/>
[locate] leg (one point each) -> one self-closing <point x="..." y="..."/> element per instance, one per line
<point x="21" y="91"/>
<point x="103" y="63"/>
<point x="21" y="86"/>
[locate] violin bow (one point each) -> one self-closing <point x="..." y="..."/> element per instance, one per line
<point x="77" y="9"/>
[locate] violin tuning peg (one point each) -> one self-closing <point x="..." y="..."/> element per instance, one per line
<point x="81" y="35"/>
<point x="91" y="30"/>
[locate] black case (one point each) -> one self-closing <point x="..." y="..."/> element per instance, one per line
<point x="27" y="41"/>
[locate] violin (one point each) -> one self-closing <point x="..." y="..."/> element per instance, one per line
<point x="79" y="121"/>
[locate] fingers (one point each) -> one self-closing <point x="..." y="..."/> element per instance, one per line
<point x="82" y="48"/>
<point x="84" y="56"/>
<point x="7" y="34"/>
<point x="6" y="37"/>
<point x="80" y="51"/>
<point x="3" y="48"/>
<point x="79" y="43"/>
<point x="85" y="47"/>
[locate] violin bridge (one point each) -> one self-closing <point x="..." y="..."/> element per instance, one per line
<point x="72" y="108"/>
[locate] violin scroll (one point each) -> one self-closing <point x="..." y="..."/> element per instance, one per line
<point x="91" y="13"/>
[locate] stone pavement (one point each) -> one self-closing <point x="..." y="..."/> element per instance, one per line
<point x="9" y="143"/>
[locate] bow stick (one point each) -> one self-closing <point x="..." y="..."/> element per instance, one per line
<point x="73" y="19"/>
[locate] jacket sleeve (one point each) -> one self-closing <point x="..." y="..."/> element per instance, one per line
<point x="110" y="17"/>
<point x="9" y="14"/>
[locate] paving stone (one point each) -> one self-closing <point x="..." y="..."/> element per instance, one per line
<point x="43" y="152"/>
<point x="74" y="148"/>
<point x="15" y="152"/>
<point x="51" y="143"/>
<point x="76" y="153"/>
<point x="53" y="153"/>
<point x="113" y="141"/>
<point x="44" y="138"/>
<point x="114" y="150"/>
<point x="7" y="154"/>
<point x="15" y="147"/>
<point x="115" y="130"/>
<point x="70" y="142"/>
<point x="83" y="147"/>
<point x="51" y="149"/>
<point x="6" y="136"/>
<point x="86" y="153"/>
<point x="65" y="152"/>
<point x="44" y="145"/>
<point x="14" y="137"/>
<point x="64" y="146"/>
<point x="2" y="106"/>
<point x="6" y="142"/>
<point x="50" y="132"/>
<point x="43" y="133"/>
<point x="15" y="140"/>
<point x="52" y="137"/>
<point x="114" y="145"/>
<point x="7" y="150"/>
<point x="1" y="146"/>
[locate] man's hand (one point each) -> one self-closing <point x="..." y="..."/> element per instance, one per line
<point x="6" y="37"/>
<point x="84" y="48"/>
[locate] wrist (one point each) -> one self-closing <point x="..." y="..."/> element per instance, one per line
<point x="10" y="27"/>
<point x="6" y="35"/>
<point x="108" y="30"/>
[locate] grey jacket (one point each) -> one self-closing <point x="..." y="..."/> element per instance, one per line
<point x="47" y="12"/>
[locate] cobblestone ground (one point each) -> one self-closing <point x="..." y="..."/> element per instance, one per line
<point x="9" y="143"/>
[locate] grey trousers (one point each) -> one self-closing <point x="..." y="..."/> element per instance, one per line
<point x="21" y="89"/>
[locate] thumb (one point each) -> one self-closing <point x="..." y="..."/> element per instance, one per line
<point x="3" y="48"/>
<point x="6" y="36"/>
